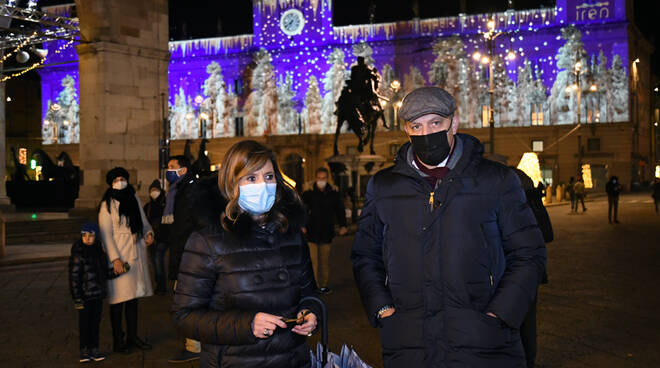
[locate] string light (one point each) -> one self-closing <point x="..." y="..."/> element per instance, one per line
<point x="36" y="64"/>
<point x="23" y="43"/>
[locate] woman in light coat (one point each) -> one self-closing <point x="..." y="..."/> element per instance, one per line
<point x="126" y="233"/>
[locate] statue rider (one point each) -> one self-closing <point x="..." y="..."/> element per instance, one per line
<point x="364" y="80"/>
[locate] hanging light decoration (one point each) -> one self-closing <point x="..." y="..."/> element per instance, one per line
<point x="36" y="64"/>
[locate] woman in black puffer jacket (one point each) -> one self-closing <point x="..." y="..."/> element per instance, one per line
<point x="240" y="278"/>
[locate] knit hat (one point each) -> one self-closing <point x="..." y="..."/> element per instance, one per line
<point x="115" y="173"/>
<point x="427" y="100"/>
<point x="155" y="185"/>
<point x="89" y="227"/>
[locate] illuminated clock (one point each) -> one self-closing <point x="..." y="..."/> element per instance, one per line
<point x="292" y="22"/>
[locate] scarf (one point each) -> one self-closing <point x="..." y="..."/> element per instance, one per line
<point x="129" y="209"/>
<point x="168" y="212"/>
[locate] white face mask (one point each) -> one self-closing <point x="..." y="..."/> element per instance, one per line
<point x="257" y="199"/>
<point x="154" y="194"/>
<point x="321" y="184"/>
<point x="119" y="185"/>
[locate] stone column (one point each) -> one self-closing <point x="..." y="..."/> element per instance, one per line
<point x="123" y="62"/>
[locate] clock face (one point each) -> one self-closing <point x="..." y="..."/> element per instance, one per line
<point x="292" y="22"/>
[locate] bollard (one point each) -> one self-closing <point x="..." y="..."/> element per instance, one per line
<point x="560" y="193"/>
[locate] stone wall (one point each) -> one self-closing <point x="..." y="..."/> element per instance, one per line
<point x="123" y="78"/>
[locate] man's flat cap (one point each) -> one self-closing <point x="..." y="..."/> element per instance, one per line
<point x="427" y="100"/>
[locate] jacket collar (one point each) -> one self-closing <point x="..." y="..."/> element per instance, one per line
<point x="468" y="151"/>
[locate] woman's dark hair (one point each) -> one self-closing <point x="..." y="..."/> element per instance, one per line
<point x="244" y="158"/>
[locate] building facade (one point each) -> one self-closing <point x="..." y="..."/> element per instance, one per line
<point x="571" y="83"/>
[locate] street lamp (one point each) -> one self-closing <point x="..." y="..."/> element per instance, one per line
<point x="577" y="71"/>
<point x="490" y="36"/>
<point x="395" y="86"/>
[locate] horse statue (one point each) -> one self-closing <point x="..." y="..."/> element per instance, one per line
<point x="63" y="170"/>
<point x="359" y="106"/>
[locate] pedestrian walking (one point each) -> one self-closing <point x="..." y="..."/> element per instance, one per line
<point x="448" y="255"/>
<point x="324" y="207"/>
<point x="613" y="189"/>
<point x="656" y="193"/>
<point x="126" y="233"/>
<point x="179" y="224"/>
<point x="249" y="272"/>
<point x="528" y="328"/>
<point x="154" y="212"/>
<point x="580" y="193"/>
<point x="88" y="276"/>
<point x="570" y="188"/>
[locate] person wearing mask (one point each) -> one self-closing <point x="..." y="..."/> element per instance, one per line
<point x="126" y="234"/>
<point x="250" y="272"/>
<point x="613" y="189"/>
<point x="447" y="256"/>
<point x="154" y="212"/>
<point x="178" y="224"/>
<point x="88" y="276"/>
<point x="324" y="206"/>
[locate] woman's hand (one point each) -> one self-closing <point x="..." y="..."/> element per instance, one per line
<point x="118" y="266"/>
<point x="264" y="324"/>
<point x="308" y="325"/>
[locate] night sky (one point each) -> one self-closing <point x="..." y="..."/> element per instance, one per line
<point x="213" y="18"/>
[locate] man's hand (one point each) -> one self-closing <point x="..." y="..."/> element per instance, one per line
<point x="264" y="324"/>
<point x="387" y="313"/>
<point x="118" y="266"/>
<point x="149" y="239"/>
<point x="343" y="230"/>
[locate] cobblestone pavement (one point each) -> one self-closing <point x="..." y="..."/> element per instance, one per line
<point x="598" y="310"/>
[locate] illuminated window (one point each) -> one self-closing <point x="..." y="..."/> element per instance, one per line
<point x="537" y="115"/>
<point x="22" y="156"/>
<point x="537" y="146"/>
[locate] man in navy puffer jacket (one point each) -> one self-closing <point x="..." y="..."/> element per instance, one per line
<point x="448" y="254"/>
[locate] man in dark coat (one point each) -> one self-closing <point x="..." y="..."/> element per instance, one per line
<point x="324" y="205"/>
<point x="448" y="255"/>
<point x="535" y="202"/>
<point x="613" y="189"/>
<point x="179" y="224"/>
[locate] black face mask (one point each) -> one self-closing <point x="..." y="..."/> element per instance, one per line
<point x="432" y="148"/>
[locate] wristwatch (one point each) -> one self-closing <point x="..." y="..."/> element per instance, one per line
<point x="382" y="310"/>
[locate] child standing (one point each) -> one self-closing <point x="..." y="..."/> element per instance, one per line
<point x="88" y="273"/>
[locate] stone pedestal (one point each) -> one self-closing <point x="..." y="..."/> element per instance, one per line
<point x="352" y="172"/>
<point x="123" y="78"/>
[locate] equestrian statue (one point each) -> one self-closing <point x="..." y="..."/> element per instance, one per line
<point x="359" y="106"/>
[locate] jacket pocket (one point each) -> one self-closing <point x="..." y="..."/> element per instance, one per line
<point x="490" y="232"/>
<point x="386" y="256"/>
<point x="467" y="328"/>
<point x="402" y="330"/>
